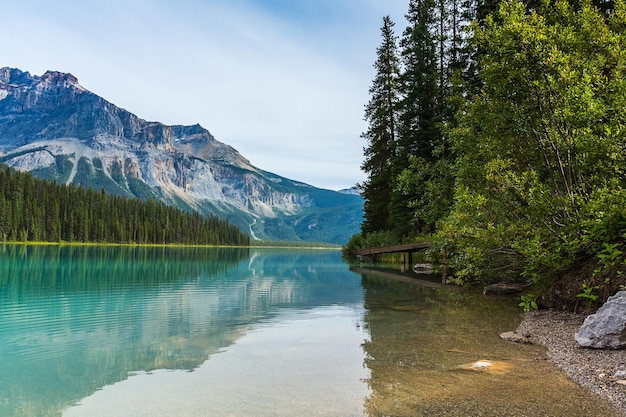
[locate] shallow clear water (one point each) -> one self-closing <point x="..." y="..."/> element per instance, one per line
<point x="103" y="331"/>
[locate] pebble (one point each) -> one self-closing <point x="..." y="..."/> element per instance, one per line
<point x="588" y="367"/>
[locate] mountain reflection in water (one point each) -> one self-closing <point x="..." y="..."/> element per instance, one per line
<point x="77" y="319"/>
<point x="131" y="331"/>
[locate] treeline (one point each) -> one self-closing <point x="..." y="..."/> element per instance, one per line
<point x="421" y="79"/>
<point x="500" y="129"/>
<point x="32" y="209"/>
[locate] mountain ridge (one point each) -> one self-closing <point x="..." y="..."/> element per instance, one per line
<point x="53" y="127"/>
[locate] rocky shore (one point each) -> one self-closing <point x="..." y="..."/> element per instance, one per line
<point x="601" y="371"/>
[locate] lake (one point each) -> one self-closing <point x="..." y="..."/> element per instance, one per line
<point x="145" y="331"/>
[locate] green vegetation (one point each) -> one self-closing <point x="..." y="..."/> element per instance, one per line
<point x="588" y="293"/>
<point x="32" y="209"/>
<point x="507" y="143"/>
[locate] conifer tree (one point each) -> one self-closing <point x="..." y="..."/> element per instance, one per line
<point x="32" y="209"/>
<point x="381" y="112"/>
<point x="426" y="186"/>
<point x="419" y="132"/>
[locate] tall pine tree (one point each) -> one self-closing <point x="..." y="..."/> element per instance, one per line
<point x="382" y="113"/>
<point x="419" y="132"/>
<point x="408" y="160"/>
<point x="426" y="185"/>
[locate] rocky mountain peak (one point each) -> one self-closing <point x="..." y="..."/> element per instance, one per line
<point x="14" y="76"/>
<point x="52" y="126"/>
<point x="60" y="79"/>
<point x="20" y="78"/>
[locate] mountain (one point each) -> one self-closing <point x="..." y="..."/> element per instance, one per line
<point x="352" y="191"/>
<point x="56" y="129"/>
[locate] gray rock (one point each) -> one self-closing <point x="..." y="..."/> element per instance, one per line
<point x="423" y="269"/>
<point x="606" y="329"/>
<point x="620" y="375"/>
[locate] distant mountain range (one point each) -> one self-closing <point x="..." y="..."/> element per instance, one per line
<point x="56" y="129"/>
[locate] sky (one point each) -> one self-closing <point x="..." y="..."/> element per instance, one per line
<point x="284" y="82"/>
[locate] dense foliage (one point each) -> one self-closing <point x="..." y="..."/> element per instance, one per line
<point x="517" y="158"/>
<point x="541" y="147"/>
<point x="32" y="209"/>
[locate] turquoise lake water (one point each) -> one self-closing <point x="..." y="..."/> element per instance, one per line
<point x="133" y="331"/>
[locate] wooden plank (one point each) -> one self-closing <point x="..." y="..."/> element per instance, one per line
<point x="406" y="247"/>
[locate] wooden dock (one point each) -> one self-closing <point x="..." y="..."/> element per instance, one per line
<point x="408" y="248"/>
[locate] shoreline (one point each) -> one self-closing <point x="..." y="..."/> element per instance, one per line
<point x="594" y="369"/>
<point x="313" y="246"/>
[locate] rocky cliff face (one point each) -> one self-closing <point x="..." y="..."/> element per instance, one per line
<point x="52" y="126"/>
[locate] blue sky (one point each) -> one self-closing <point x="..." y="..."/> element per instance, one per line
<point x="282" y="81"/>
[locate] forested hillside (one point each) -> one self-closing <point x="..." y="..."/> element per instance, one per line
<point x="58" y="130"/>
<point x="32" y="209"/>
<point x="499" y="129"/>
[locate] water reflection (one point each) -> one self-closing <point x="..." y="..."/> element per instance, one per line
<point x="419" y="335"/>
<point x="299" y="363"/>
<point x="217" y="332"/>
<point x="26" y="269"/>
<point x="76" y="319"/>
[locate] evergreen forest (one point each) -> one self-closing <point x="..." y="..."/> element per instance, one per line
<point x="36" y="210"/>
<point x="498" y="131"/>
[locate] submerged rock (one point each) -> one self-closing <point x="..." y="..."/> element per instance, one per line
<point x="515" y="337"/>
<point x="606" y="329"/>
<point x="485" y="365"/>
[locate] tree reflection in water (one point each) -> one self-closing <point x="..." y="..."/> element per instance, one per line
<point x="419" y="335"/>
